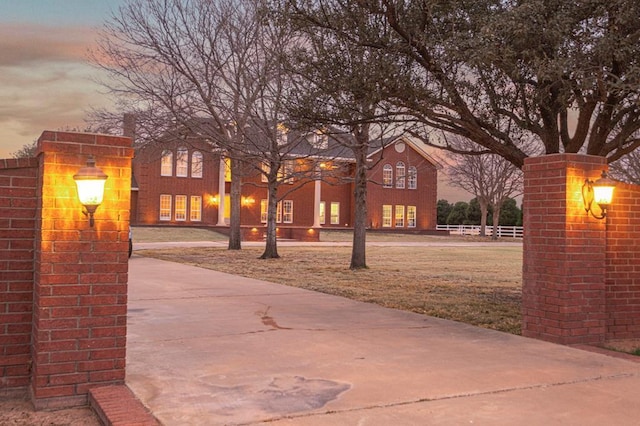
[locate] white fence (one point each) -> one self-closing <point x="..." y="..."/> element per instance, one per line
<point x="503" y="231"/>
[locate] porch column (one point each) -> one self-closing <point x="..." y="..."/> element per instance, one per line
<point x="221" y="192"/>
<point x="316" y="201"/>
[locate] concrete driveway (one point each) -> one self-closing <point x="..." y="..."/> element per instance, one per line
<point x="208" y="348"/>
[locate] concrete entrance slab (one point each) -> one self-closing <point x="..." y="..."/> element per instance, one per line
<point x="207" y="348"/>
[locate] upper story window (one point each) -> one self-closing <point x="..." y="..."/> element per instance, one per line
<point x="166" y="167"/>
<point x="196" y="164"/>
<point x="319" y="139"/>
<point x="412" y="178"/>
<point x="387" y="176"/>
<point x="400" y="175"/>
<point x="281" y="133"/>
<point x="182" y="162"/>
<point x="227" y="169"/>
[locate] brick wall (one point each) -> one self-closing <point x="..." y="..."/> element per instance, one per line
<point x="581" y="275"/>
<point x="18" y="178"/>
<point x="564" y="252"/>
<point x="80" y="273"/>
<point x="623" y="264"/>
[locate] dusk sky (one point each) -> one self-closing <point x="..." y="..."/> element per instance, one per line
<point x="46" y="82"/>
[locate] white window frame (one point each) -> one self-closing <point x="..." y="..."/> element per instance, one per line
<point x="335" y="213"/>
<point x="287" y="211"/>
<point x="387" y="176"/>
<point x="180" y="212"/>
<point x="195" y="208"/>
<point x="197" y="162"/>
<point x="264" y="206"/>
<point x="412" y="178"/>
<point x="412" y="216"/>
<point x="182" y="162"/>
<point x="399" y="217"/>
<point x="166" y="163"/>
<point x="400" y="175"/>
<point x="165" y="207"/>
<point x="323" y="212"/>
<point x="387" y="210"/>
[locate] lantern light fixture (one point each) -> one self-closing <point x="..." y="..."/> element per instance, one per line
<point x="600" y="191"/>
<point x="90" y="182"/>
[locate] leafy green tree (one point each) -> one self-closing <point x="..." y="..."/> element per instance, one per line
<point x="443" y="210"/>
<point x="510" y="214"/>
<point x="474" y="213"/>
<point x="458" y="214"/>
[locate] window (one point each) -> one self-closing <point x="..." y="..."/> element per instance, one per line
<point x="279" y="212"/>
<point x="387" y="176"/>
<point x="165" y="207"/>
<point x="399" y="217"/>
<point x="285" y="173"/>
<point x="386" y="216"/>
<point x="263" y="210"/>
<point x="227" y="169"/>
<point x="335" y="213"/>
<point x="411" y="216"/>
<point x="264" y="168"/>
<point x="182" y="162"/>
<point x="195" y="214"/>
<point x="196" y="164"/>
<point x="281" y="134"/>
<point x="181" y="207"/>
<point x="413" y="178"/>
<point x="400" y="170"/>
<point x="287" y="211"/>
<point x="319" y="139"/>
<point x="322" y="212"/>
<point x="166" y="168"/>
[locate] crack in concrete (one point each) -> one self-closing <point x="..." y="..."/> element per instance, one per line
<point x="456" y="396"/>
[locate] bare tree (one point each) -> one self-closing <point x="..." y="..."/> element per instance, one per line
<point x="491" y="178"/>
<point x="208" y="67"/>
<point x="563" y="73"/>
<point x="340" y="89"/>
<point x="627" y="169"/>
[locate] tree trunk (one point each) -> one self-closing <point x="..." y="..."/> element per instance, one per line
<point x="496" y="221"/>
<point x="358" y="251"/>
<point x="271" y="246"/>
<point x="235" y="235"/>
<point x="484" y="208"/>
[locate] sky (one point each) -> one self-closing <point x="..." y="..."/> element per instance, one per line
<point x="46" y="82"/>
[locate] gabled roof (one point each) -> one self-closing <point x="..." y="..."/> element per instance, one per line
<point x="417" y="146"/>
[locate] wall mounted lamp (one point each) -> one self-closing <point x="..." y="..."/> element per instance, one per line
<point x="90" y="183"/>
<point x="247" y="201"/>
<point x="600" y="191"/>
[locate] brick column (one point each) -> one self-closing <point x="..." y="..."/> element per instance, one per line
<point x="564" y="264"/>
<point x="80" y="279"/>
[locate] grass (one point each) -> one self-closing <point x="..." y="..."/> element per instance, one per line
<point x="476" y="285"/>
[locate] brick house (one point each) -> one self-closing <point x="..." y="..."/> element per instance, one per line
<point x="186" y="183"/>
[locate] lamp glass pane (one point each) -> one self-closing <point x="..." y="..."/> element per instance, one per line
<point x="90" y="191"/>
<point x="603" y="194"/>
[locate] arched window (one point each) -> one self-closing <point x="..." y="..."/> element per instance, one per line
<point x="413" y="178"/>
<point x="387" y="176"/>
<point x="196" y="164"/>
<point x="400" y="175"/>
<point x="166" y="165"/>
<point x="182" y="162"/>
